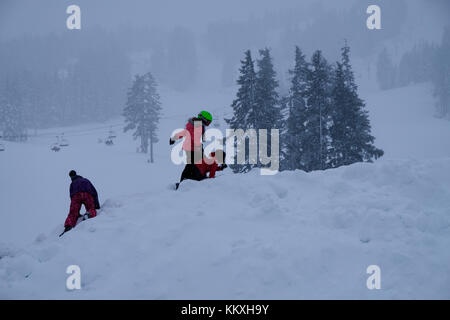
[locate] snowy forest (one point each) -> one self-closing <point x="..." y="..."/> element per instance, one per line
<point x="424" y="62"/>
<point x="326" y="124"/>
<point x="59" y="79"/>
<point x="80" y="78"/>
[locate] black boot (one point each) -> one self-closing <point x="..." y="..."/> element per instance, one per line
<point x="66" y="228"/>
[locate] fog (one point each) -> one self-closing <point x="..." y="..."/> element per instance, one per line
<point x="74" y="75"/>
<point x="18" y="17"/>
<point x="347" y="165"/>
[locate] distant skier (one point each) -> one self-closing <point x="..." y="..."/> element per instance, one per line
<point x="81" y="192"/>
<point x="199" y="171"/>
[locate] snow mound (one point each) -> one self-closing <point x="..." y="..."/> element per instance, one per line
<point x="294" y="235"/>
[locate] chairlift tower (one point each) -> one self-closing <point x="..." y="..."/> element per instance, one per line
<point x="63" y="142"/>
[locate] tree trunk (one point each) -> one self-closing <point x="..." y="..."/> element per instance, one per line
<point x="151" y="149"/>
<point x="144" y="144"/>
<point x="320" y="139"/>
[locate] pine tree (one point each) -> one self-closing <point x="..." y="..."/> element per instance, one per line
<point x="13" y="124"/>
<point x="416" y="65"/>
<point x="294" y="136"/>
<point x="284" y="102"/>
<point x="316" y="141"/>
<point x="267" y="113"/>
<point x="268" y="110"/>
<point x="142" y="111"/>
<point x="12" y="121"/>
<point x="244" y="104"/>
<point x="441" y="76"/>
<point x="351" y="140"/>
<point x="348" y="75"/>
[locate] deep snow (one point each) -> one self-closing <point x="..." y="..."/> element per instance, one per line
<point x="293" y="235"/>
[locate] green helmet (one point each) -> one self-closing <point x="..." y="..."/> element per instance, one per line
<point x="205" y="115"/>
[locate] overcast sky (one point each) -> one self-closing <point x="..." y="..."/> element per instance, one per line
<point x="42" y="16"/>
<point x="23" y="16"/>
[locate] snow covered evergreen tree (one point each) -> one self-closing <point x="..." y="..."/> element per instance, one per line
<point x="348" y="75"/>
<point x="441" y="76"/>
<point x="416" y="65"/>
<point x="13" y="122"/>
<point x="257" y="103"/>
<point x="315" y="146"/>
<point x="267" y="114"/>
<point x="294" y="135"/>
<point x="244" y="104"/>
<point x="351" y="140"/>
<point x="268" y="111"/>
<point x="142" y="111"/>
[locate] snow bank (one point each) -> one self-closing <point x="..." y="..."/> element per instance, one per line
<point x="293" y="235"/>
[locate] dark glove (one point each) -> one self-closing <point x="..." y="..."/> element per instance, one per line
<point x="171" y="142"/>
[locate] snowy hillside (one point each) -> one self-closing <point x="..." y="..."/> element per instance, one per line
<point x="293" y="235"/>
<point x="404" y="125"/>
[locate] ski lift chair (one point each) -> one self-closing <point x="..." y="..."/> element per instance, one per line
<point x="112" y="134"/>
<point x="55" y="147"/>
<point x="64" y="143"/>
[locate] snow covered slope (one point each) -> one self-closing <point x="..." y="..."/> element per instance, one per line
<point x="293" y="235"/>
<point x="404" y="125"/>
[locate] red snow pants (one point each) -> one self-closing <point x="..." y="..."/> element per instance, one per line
<point x="75" y="205"/>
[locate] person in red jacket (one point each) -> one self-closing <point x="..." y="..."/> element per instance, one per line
<point x="199" y="171"/>
<point x="193" y="134"/>
<point x="193" y="142"/>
